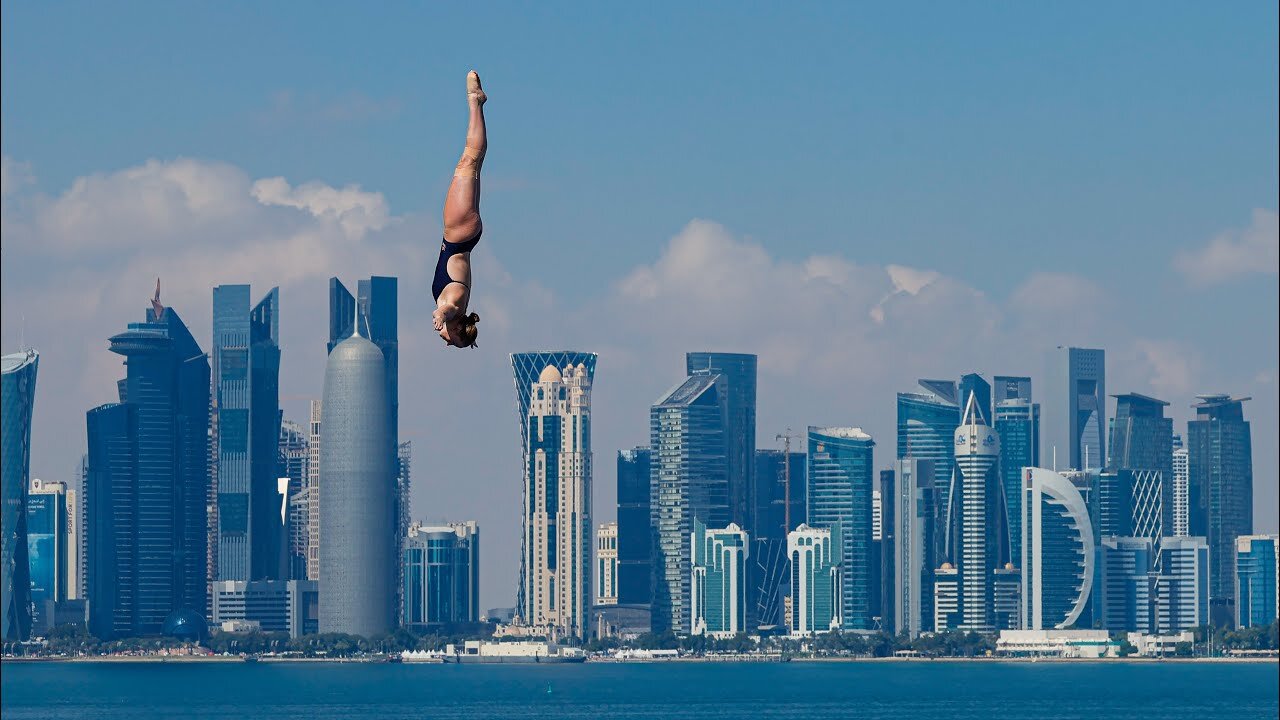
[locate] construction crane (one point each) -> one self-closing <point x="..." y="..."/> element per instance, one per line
<point x="786" y="478"/>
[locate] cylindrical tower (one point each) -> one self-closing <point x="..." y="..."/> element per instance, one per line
<point x="357" y="547"/>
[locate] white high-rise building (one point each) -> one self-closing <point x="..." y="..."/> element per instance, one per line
<point x="877" y="516"/>
<point x="976" y="497"/>
<point x="313" y="496"/>
<point x="607" y="564"/>
<point x="1181" y="490"/>
<point x="558" y="531"/>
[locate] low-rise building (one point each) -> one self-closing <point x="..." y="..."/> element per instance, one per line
<point x="290" y="606"/>
<point x="1057" y="643"/>
<point x="1159" y="645"/>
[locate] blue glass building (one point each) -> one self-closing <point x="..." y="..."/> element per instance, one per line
<point x="47" y="550"/>
<point x="768" y="563"/>
<point x="146" y="488"/>
<point x="926" y="424"/>
<point x="1142" y="461"/>
<point x="246" y="424"/>
<point x="17" y="400"/>
<point x="636" y="541"/>
<point x="1017" y="422"/>
<point x="1075" y="408"/>
<point x="737" y="371"/>
<point x="441" y="575"/>
<point x="1057" y="552"/>
<point x="1124" y="598"/>
<point x="1256" y="580"/>
<point x="688" y="480"/>
<point x="839" y="493"/>
<point x="1220" y="469"/>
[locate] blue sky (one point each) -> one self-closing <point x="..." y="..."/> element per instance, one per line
<point x="1039" y="173"/>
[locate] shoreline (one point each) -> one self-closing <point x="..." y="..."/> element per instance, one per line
<point x="193" y="659"/>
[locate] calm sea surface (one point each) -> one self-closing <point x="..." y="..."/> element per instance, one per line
<point x="667" y="691"/>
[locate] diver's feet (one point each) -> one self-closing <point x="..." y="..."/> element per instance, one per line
<point x="475" y="93"/>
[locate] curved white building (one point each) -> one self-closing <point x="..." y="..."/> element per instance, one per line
<point x="1057" y="551"/>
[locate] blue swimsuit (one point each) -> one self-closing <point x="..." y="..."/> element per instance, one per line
<point x="448" y="250"/>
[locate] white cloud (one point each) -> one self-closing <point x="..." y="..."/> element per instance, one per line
<point x="1235" y="252"/>
<point x="1172" y="368"/>
<point x="355" y="210"/>
<point x="13" y="176"/>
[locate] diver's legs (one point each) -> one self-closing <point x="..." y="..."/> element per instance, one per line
<point x="462" y="204"/>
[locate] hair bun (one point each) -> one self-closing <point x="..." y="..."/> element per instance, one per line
<point x="474" y="317"/>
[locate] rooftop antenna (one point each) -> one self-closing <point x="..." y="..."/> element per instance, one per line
<point x="156" y="307"/>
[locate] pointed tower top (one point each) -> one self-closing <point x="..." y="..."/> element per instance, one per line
<point x="156" y="308"/>
<point x="972" y="412"/>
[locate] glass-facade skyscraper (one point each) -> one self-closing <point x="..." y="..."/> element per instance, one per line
<point x="147" y="483"/>
<point x="636" y="542"/>
<point x="1057" y="551"/>
<point x="927" y="422"/>
<point x="246" y="429"/>
<point x="839" y="493"/>
<point x="47" y="550"/>
<point x="718" y="585"/>
<point x="1075" y="409"/>
<point x="1142" y="459"/>
<point x="1181" y="584"/>
<point x="441" y="575"/>
<point x="688" y="481"/>
<point x="17" y="400"/>
<point x="738" y="373"/>
<point x="775" y="470"/>
<point x="1124" y="599"/>
<point x="1220" y="473"/>
<point x="1256" y="573"/>
<point x="1017" y="422"/>
<point x="917" y="546"/>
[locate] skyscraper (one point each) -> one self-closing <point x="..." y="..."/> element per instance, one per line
<point x="246" y="401"/>
<point x="839" y="493"/>
<point x="1075" y="408"/>
<point x="1181" y="584"/>
<point x="1181" y="489"/>
<point x="1142" y="454"/>
<point x="47" y="549"/>
<point x="1017" y="422"/>
<point x="17" y="400"/>
<point x="636" y="541"/>
<point x="295" y="456"/>
<point x="977" y="537"/>
<point x="313" y="491"/>
<point x="814" y="555"/>
<point x="441" y="574"/>
<point x="718" y="585"/>
<point x="357" y="502"/>
<point x="917" y="537"/>
<point x="927" y="423"/>
<point x="1057" y="551"/>
<point x="1124" y="574"/>
<point x="1220" y="465"/>
<point x="558" y="530"/>
<point x="737" y="371"/>
<point x="778" y="476"/>
<point x="607" y="564"/>
<point x="882" y="588"/>
<point x="526" y="368"/>
<point x="688" y="480"/>
<point x="147" y="483"/>
<point x="1256" y="574"/>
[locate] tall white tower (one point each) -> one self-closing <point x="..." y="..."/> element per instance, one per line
<point x="558" y="530"/>
<point x="976" y="497"/>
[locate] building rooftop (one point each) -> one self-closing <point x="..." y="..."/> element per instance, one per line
<point x="16" y="361"/>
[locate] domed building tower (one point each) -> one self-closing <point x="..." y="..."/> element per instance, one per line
<point x="357" y="506"/>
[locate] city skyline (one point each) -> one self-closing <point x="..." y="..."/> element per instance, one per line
<point x="1123" y="179"/>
